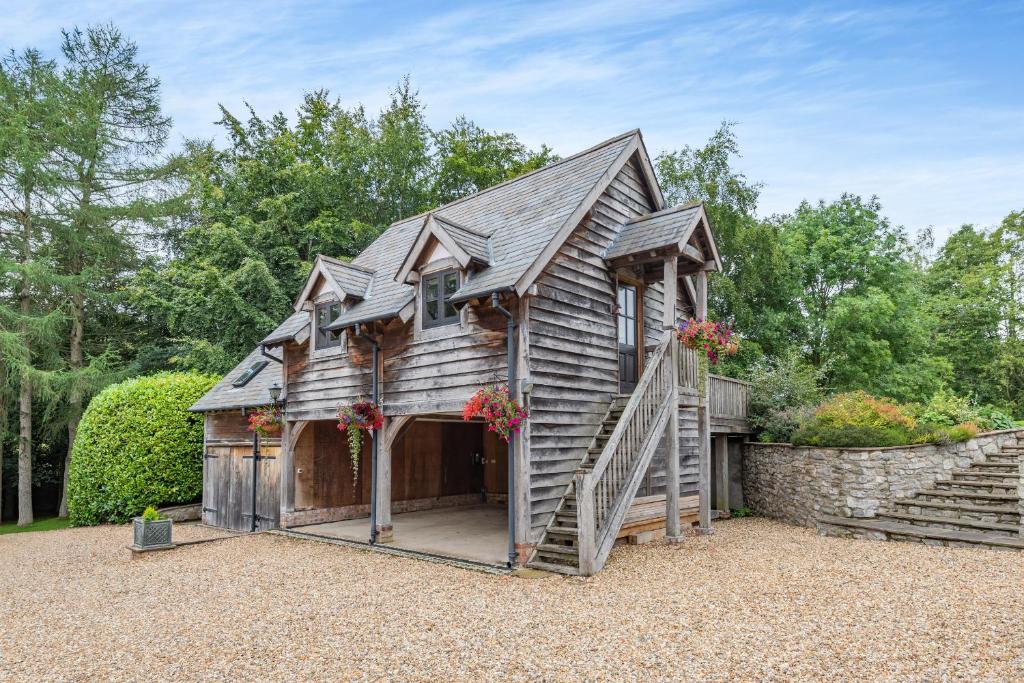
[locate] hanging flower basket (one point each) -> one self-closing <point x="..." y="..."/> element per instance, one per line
<point x="266" y="421"/>
<point x="499" y="410"/>
<point x="711" y="340"/>
<point x="354" y="420"/>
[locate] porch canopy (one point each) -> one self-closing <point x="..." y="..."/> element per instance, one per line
<point x="681" y="233"/>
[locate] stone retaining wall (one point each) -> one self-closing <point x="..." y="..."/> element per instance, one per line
<point x="797" y="484"/>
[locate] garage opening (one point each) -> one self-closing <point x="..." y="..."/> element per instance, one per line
<point x="449" y="488"/>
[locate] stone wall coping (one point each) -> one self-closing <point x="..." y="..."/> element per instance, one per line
<point x="980" y="435"/>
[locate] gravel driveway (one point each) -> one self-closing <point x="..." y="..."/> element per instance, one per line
<point x="758" y="600"/>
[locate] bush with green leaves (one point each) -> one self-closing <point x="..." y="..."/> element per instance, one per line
<point x="137" y="445"/>
<point x="948" y="409"/>
<point x="782" y="393"/>
<point x="858" y="420"/>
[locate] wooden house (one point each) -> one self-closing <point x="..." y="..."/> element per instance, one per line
<point x="564" y="283"/>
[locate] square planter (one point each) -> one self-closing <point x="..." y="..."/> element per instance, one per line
<point x="152" y="534"/>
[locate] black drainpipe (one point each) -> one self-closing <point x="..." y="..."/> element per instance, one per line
<point x="512" y="437"/>
<point x="375" y="396"/>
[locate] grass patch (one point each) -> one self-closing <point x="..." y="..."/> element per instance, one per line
<point x="48" y="524"/>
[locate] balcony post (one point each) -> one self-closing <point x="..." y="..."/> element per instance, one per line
<point x="703" y="423"/>
<point x="673" y="534"/>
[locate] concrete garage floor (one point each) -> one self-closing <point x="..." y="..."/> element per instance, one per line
<point x="473" y="532"/>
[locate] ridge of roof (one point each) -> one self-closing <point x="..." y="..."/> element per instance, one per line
<point x="571" y="157"/>
<point x="664" y="212"/>
<point x="339" y="262"/>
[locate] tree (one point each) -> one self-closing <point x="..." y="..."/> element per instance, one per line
<point x="110" y="187"/>
<point x="469" y="159"/>
<point x="29" y="323"/>
<point x="757" y="288"/>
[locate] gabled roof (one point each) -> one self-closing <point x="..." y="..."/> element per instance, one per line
<point x="467" y="246"/>
<point x="671" y="229"/>
<point x="525" y="220"/>
<point x="293" y="327"/>
<point x="256" y="392"/>
<point x="348" y="281"/>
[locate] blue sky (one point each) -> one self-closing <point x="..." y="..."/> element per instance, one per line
<point x="919" y="103"/>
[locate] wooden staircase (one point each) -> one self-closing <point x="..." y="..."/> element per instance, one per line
<point x="583" y="528"/>
<point x="979" y="505"/>
<point x="558" y="550"/>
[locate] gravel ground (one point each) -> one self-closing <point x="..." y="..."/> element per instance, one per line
<point x="756" y="601"/>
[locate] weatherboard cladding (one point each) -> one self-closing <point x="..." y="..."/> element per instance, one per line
<point x="520" y="217"/>
<point x="256" y="392"/>
<point x="661" y="229"/>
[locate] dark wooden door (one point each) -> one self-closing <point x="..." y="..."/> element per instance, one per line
<point x="629" y="357"/>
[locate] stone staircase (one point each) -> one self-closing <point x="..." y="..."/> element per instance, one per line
<point x="558" y="549"/>
<point x="978" y="506"/>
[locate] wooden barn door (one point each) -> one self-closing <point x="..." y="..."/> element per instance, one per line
<point x="228" y="489"/>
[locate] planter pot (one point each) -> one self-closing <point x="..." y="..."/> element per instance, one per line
<point x="151" y="534"/>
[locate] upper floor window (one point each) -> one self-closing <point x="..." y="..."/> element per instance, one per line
<point x="437" y="291"/>
<point x="325" y="314"/>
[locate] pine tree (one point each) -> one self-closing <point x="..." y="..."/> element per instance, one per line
<point x="28" y="322"/>
<point x="111" y="177"/>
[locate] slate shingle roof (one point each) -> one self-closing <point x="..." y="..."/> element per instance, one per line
<point x="353" y="280"/>
<point x="519" y="217"/>
<point x="660" y="229"/>
<point x="224" y="396"/>
<point x="474" y="243"/>
<point x="287" y="330"/>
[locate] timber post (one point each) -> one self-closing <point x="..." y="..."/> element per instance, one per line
<point x="722" y="472"/>
<point x="673" y="533"/>
<point x="586" y="525"/>
<point x="703" y="422"/>
<point x="384" y="532"/>
<point x="1020" y="489"/>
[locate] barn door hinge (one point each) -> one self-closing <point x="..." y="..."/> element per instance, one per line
<point x="209" y="509"/>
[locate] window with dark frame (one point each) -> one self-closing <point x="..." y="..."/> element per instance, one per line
<point x="437" y="291"/>
<point x="326" y="314"/>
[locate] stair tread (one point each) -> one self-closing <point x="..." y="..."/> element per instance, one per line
<point x="963" y="507"/>
<point x="999" y="526"/>
<point x="566" y="530"/>
<point x="557" y="549"/>
<point x="981" y="473"/>
<point x="967" y="494"/>
<point x="875" y="524"/>
<point x="554" y="568"/>
<point x="976" y="484"/>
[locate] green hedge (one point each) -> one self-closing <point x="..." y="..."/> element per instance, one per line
<point x="138" y="445"/>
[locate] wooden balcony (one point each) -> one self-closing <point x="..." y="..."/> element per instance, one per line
<point x="728" y="398"/>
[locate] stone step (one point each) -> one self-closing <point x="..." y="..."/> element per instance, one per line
<point x="960" y="508"/>
<point x="903" y="531"/>
<point x="976" y="484"/>
<point x="957" y="522"/>
<point x="985" y="474"/>
<point x="968" y="495"/>
<point x="999" y="466"/>
<point x="554" y="568"/>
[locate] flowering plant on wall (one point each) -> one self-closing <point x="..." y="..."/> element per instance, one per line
<point x="354" y="420"/>
<point x="503" y="415"/>
<point x="266" y="421"/>
<point x="711" y="338"/>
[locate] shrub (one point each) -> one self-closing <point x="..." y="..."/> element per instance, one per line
<point x="990" y="418"/>
<point x="137" y="444"/>
<point x="949" y="410"/>
<point x="859" y="420"/>
<point x="783" y="391"/>
<point x="150" y="514"/>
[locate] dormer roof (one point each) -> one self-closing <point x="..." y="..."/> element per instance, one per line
<point x="467" y="246"/>
<point x="348" y="281"/>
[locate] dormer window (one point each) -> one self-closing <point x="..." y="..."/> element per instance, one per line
<point x="325" y="314"/>
<point x="437" y="291"/>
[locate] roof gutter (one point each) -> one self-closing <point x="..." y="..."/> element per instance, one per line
<point x="263" y="352"/>
<point x="458" y="299"/>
